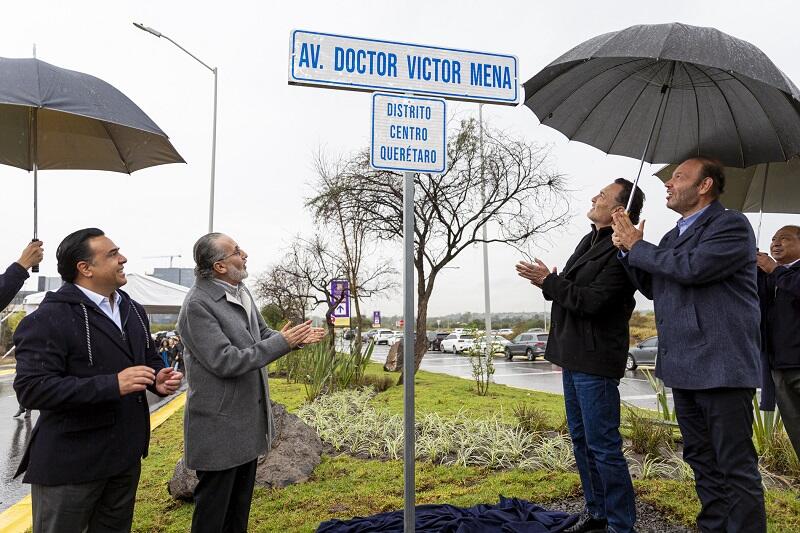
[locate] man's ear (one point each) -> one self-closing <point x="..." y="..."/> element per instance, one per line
<point x="83" y="268"/>
<point x="219" y="268"/>
<point x="706" y="184"/>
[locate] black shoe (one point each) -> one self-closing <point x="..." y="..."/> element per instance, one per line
<point x="19" y="411"/>
<point x="588" y="524"/>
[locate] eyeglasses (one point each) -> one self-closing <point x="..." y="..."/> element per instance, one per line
<point x="236" y="251"/>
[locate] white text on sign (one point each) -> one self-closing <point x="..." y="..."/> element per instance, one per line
<point x="408" y="133"/>
<point x="368" y="64"/>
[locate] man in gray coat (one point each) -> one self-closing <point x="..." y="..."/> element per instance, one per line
<point x="228" y="419"/>
<point x="702" y="280"/>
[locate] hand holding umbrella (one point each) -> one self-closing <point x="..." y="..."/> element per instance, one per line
<point x="32" y="255"/>
<point x="625" y="233"/>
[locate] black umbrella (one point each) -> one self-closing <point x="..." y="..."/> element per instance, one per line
<point x="666" y="92"/>
<point x="54" y="118"/>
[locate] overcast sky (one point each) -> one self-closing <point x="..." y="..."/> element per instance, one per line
<point x="268" y="130"/>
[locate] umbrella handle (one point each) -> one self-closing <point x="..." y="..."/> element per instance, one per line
<point x="34" y="268"/>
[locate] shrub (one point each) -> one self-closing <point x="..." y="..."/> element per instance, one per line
<point x="647" y="436"/>
<point x="531" y="419"/>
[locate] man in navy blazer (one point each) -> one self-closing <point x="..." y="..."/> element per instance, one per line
<point x="16" y="274"/>
<point x="779" y="292"/>
<point x="84" y="360"/>
<point x="702" y="279"/>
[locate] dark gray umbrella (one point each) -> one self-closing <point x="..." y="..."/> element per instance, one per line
<point x="54" y="118"/>
<point x="665" y="92"/>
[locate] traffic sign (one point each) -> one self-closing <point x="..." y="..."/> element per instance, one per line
<point x="376" y="319"/>
<point x="356" y="63"/>
<point x="408" y="133"/>
<point x="340" y="297"/>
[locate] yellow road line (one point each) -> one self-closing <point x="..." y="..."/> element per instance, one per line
<point x="18" y="518"/>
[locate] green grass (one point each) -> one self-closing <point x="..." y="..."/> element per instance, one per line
<point x="343" y="487"/>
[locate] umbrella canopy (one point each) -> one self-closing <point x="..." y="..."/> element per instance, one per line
<point x="666" y="92"/>
<point x="54" y="118"/>
<point x="768" y="187"/>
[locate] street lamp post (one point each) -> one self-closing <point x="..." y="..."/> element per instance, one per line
<point x="214" y="130"/>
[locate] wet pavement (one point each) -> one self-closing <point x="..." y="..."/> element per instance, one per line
<point x="532" y="375"/>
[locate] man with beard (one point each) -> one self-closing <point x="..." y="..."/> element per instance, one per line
<point x="84" y="360"/>
<point x="228" y="418"/>
<point x="702" y="280"/>
<point x="592" y="305"/>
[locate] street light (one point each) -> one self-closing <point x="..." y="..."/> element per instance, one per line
<point x="214" y="134"/>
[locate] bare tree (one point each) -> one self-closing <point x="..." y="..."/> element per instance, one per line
<point x="288" y="294"/>
<point x="308" y="268"/>
<point x="367" y="277"/>
<point x="525" y="198"/>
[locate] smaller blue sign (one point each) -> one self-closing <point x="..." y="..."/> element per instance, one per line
<point x="340" y="297"/>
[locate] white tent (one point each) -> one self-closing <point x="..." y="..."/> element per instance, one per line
<point x="156" y="295"/>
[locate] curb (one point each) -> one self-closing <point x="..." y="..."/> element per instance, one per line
<point x="19" y="517"/>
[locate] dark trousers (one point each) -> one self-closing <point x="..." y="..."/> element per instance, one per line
<point x="787" y="393"/>
<point x="102" y="506"/>
<point x="222" y="499"/>
<point x="593" y="413"/>
<point x="717" y="430"/>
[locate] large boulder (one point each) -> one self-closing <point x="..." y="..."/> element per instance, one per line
<point x="394" y="359"/>
<point x="296" y="451"/>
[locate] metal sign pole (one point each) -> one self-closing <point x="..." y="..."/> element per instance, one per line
<point x="408" y="351"/>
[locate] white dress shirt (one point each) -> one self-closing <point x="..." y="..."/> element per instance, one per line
<point x="111" y="309"/>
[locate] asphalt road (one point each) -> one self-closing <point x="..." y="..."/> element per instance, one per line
<point x="538" y="375"/>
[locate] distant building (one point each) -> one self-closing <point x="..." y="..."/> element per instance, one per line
<point x="179" y="276"/>
<point x="48" y="283"/>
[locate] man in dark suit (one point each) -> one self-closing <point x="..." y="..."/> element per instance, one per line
<point x="592" y="305"/>
<point x="16" y="274"/>
<point x="702" y="279"/>
<point x="780" y="303"/>
<point x="84" y="360"/>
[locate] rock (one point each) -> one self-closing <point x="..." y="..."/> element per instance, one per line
<point x="296" y="451"/>
<point x="394" y="359"/>
<point x="183" y="482"/>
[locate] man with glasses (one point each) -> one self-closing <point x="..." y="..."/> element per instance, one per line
<point x="228" y="418"/>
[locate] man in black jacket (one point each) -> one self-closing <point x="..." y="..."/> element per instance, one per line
<point x="779" y="294"/>
<point x="592" y="304"/>
<point x="16" y="274"/>
<point x="84" y="360"/>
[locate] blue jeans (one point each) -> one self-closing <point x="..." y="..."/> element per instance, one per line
<point x="593" y="413"/>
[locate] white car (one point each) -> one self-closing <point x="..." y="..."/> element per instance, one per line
<point x="395" y="338"/>
<point x="383" y="336"/>
<point x="457" y="342"/>
<point x="498" y="343"/>
<point x="505" y="331"/>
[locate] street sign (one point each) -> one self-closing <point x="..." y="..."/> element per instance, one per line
<point x="355" y="63"/>
<point x="408" y="133"/>
<point x="340" y="297"/>
<point x="376" y="319"/>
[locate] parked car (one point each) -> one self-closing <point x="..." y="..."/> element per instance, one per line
<point x="457" y="342"/>
<point x="435" y="344"/>
<point x="366" y="337"/>
<point x="531" y="345"/>
<point x="349" y="334"/>
<point x="643" y="353"/>
<point x="396" y="337"/>
<point x="505" y="331"/>
<point x="498" y="343"/>
<point x="383" y="336"/>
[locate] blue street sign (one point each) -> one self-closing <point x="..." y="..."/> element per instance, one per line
<point x="340" y="296"/>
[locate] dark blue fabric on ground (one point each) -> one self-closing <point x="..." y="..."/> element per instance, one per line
<point x="510" y="515"/>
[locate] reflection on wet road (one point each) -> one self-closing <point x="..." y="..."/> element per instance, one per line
<point x="14" y="434"/>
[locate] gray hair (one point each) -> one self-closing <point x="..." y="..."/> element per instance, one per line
<point x="206" y="253"/>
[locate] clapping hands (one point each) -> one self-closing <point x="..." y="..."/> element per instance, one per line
<point x="301" y="334"/>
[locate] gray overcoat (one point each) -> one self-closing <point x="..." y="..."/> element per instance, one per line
<point x="228" y="419"/>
